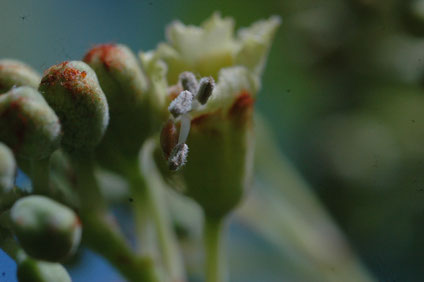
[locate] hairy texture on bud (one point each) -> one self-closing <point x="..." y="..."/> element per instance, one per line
<point x="119" y="74"/>
<point x="206" y="86"/>
<point x="45" y="229"/>
<point x="27" y="124"/>
<point x="182" y="104"/>
<point x="188" y="81"/>
<point x="124" y="85"/>
<point x="178" y="157"/>
<point x="30" y="270"/>
<point x="15" y="73"/>
<point x="74" y="93"/>
<point x="7" y="169"/>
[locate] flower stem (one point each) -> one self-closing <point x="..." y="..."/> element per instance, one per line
<point x="213" y="235"/>
<point x="8" y="244"/>
<point x="142" y="211"/>
<point x="167" y="240"/>
<point x="100" y="232"/>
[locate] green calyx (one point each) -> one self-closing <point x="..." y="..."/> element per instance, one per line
<point x="27" y="124"/>
<point x="45" y="229"/>
<point x="30" y="270"/>
<point x="125" y="87"/>
<point x="15" y="73"/>
<point x="7" y="169"/>
<point x="74" y="93"/>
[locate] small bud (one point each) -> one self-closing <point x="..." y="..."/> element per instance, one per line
<point x="119" y="75"/>
<point x="45" y="229"/>
<point x="30" y="270"/>
<point x="206" y="86"/>
<point x="182" y="104"/>
<point x="125" y="86"/>
<point x="188" y="81"/>
<point x="7" y="169"/>
<point x="15" y="73"/>
<point x="27" y="124"/>
<point x="74" y="93"/>
<point x="178" y="157"/>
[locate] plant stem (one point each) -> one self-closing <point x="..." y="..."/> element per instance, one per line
<point x="101" y="233"/>
<point x="142" y="211"/>
<point x="104" y="238"/>
<point x="8" y="244"/>
<point x="40" y="170"/>
<point x="167" y="239"/>
<point x="213" y="234"/>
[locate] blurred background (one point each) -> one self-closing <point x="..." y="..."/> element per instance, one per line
<point x="342" y="94"/>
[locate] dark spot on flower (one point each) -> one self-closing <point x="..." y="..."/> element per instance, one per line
<point x="242" y="107"/>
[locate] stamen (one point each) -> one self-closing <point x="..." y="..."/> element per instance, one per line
<point x="182" y="104"/>
<point x="188" y="81"/>
<point x="184" y="128"/>
<point x="206" y="86"/>
<point x="178" y="157"/>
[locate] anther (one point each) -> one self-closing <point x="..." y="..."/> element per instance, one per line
<point x="188" y="81"/>
<point x="178" y="157"/>
<point x="182" y="104"/>
<point x="206" y="86"/>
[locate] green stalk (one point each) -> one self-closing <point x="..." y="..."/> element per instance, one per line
<point x="40" y="170"/>
<point x="155" y="191"/>
<point x="100" y="231"/>
<point x="213" y="245"/>
<point x="8" y="244"/>
<point x="142" y="209"/>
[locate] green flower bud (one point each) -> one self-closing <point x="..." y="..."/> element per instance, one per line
<point x="74" y="93"/>
<point x="27" y="124"/>
<point x="30" y="270"/>
<point x="125" y="87"/>
<point x="15" y="73"/>
<point x="45" y="229"/>
<point x="7" y="169"/>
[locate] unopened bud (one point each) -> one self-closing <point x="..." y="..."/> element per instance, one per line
<point x="74" y="93"/>
<point x="15" y="73"/>
<point x="7" y="169"/>
<point x="125" y="86"/>
<point x="119" y="75"/>
<point x="206" y="86"/>
<point x="182" y="104"/>
<point x="30" y="270"/>
<point x="188" y="81"/>
<point x="178" y="157"/>
<point x="27" y="124"/>
<point x="45" y="229"/>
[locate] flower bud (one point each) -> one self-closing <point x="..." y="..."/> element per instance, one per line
<point x="15" y="73"/>
<point x="7" y="169"/>
<point x="45" y="229"/>
<point x="125" y="86"/>
<point x="27" y="124"/>
<point x="30" y="270"/>
<point x="74" y="93"/>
